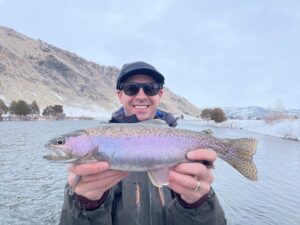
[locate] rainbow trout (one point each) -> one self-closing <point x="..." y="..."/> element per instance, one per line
<point x="149" y="146"/>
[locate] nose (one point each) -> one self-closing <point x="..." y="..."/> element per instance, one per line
<point x="141" y="94"/>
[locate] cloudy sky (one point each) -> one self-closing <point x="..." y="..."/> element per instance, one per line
<point x="214" y="53"/>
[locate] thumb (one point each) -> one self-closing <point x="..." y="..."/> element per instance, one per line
<point x="73" y="179"/>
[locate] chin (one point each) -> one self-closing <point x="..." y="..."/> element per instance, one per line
<point x="142" y="117"/>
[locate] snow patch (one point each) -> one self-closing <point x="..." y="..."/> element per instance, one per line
<point x="58" y="96"/>
<point x="5" y="100"/>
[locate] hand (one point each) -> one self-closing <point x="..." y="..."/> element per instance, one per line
<point x="96" y="178"/>
<point x="183" y="177"/>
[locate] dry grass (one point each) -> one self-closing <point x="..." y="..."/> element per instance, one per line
<point x="276" y="116"/>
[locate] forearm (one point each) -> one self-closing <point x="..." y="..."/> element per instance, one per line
<point x="74" y="213"/>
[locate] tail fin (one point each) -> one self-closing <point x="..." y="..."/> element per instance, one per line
<point x="242" y="158"/>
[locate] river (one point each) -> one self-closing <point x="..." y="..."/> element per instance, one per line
<point x="31" y="188"/>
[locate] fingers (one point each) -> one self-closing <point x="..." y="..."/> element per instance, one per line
<point x="99" y="185"/>
<point x="88" y="168"/>
<point x="185" y="185"/>
<point x="94" y="190"/>
<point x="193" y="169"/>
<point x="188" y="182"/>
<point x="197" y="169"/>
<point x="202" y="154"/>
<point x="184" y="177"/>
<point x="73" y="179"/>
<point x="95" y="179"/>
<point x="104" y="175"/>
<point x="183" y="180"/>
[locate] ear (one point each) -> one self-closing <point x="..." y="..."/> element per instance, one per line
<point x="161" y="92"/>
<point x="119" y="93"/>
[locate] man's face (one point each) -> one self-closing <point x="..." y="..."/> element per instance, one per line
<point x="142" y="105"/>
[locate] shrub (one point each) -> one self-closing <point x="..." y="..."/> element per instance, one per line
<point x="206" y="114"/>
<point x="216" y="114"/>
<point x="21" y="108"/>
<point x="53" y="110"/>
<point x="34" y="108"/>
<point x="3" y="107"/>
<point x="275" y="116"/>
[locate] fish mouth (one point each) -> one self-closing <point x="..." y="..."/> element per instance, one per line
<point x="58" y="154"/>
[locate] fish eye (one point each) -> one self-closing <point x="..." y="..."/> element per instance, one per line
<point x="60" y="141"/>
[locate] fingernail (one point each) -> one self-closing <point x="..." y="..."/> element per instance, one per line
<point x="105" y="166"/>
<point x="71" y="167"/>
<point x="171" y="174"/>
<point x="191" y="155"/>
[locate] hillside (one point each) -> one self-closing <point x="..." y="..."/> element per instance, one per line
<point x="35" y="70"/>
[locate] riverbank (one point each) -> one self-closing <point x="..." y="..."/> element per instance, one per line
<point x="286" y="129"/>
<point x="42" y="118"/>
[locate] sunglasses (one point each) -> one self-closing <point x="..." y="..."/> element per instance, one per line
<point x="149" y="89"/>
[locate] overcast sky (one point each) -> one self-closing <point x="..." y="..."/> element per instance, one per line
<point x="213" y="53"/>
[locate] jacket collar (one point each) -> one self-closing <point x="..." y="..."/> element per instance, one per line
<point x="120" y="117"/>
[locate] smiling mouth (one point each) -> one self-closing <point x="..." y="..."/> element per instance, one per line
<point x="140" y="106"/>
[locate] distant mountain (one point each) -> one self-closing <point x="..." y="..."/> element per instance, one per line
<point x="253" y="112"/>
<point x="34" y="70"/>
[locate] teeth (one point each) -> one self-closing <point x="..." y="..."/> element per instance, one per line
<point x="140" y="106"/>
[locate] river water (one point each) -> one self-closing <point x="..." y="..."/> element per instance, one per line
<point x="31" y="188"/>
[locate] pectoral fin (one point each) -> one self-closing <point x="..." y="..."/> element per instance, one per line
<point x="159" y="177"/>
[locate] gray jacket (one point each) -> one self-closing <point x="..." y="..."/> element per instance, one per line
<point x="135" y="200"/>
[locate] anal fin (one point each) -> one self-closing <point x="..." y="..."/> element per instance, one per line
<point x="159" y="177"/>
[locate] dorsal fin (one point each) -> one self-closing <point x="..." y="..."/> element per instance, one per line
<point x="208" y="132"/>
<point x="154" y="122"/>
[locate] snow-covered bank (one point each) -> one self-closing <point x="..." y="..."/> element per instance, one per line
<point x="289" y="129"/>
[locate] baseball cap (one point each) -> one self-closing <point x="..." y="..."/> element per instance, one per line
<point x="140" y="67"/>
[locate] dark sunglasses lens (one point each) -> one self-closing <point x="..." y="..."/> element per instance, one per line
<point x="151" y="89"/>
<point x="131" y="89"/>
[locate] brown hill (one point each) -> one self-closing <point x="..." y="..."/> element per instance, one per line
<point x="34" y="70"/>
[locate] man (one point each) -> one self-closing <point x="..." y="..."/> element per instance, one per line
<point x="104" y="196"/>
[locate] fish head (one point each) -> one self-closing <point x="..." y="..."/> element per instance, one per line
<point x="73" y="147"/>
